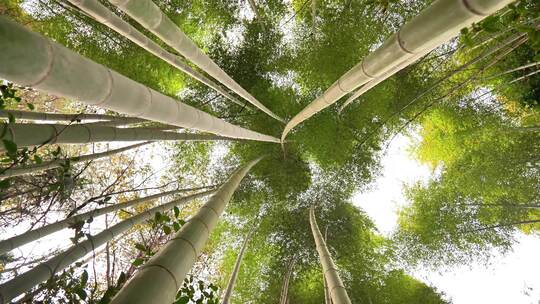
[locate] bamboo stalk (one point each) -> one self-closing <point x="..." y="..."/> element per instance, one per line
<point x="32" y="235"/>
<point x="56" y="163"/>
<point x="55" y="117"/>
<point x="284" y="297"/>
<point x="32" y="60"/>
<point x="160" y="278"/>
<point x="103" y="15"/>
<point x="153" y="19"/>
<point x="26" y="135"/>
<point x="335" y="285"/>
<point x="436" y="24"/>
<point x="46" y="270"/>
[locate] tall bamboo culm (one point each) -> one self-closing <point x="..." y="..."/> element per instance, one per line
<point x="46" y="270"/>
<point x="26" y="135"/>
<point x="56" y="117"/>
<point x="154" y="20"/>
<point x="32" y="235"/>
<point x="284" y="296"/>
<point x="57" y="163"/>
<point x="234" y="275"/>
<point x="162" y="276"/>
<point x="102" y="14"/>
<point x="32" y="60"/>
<point x="337" y="290"/>
<point x="436" y="24"/>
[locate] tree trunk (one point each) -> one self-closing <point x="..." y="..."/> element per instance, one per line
<point x="105" y="16"/>
<point x="46" y="270"/>
<point x="431" y="28"/>
<point x="55" y="117"/>
<point x="284" y="297"/>
<point x="234" y="274"/>
<point x="154" y="20"/>
<point x="338" y="294"/>
<point x="32" y="235"/>
<point x="26" y="135"/>
<point x="27" y="59"/>
<point x="47" y="165"/>
<point x="160" y="278"/>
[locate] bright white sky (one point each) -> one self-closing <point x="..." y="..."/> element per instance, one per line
<point x="512" y="279"/>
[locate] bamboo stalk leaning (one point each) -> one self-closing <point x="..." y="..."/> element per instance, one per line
<point x="56" y="117"/>
<point x="436" y="24"/>
<point x="161" y="277"/>
<point x="32" y="235"/>
<point x="234" y="275"/>
<point x="149" y="15"/>
<point x="337" y="290"/>
<point x="103" y="15"/>
<point x="57" y="163"/>
<point x="26" y="135"/>
<point x="46" y="270"/>
<point x="32" y="60"/>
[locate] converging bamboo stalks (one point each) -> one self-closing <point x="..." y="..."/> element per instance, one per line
<point x="431" y="28"/>
<point x="24" y="282"/>
<point x="57" y="163"/>
<point x="32" y="60"/>
<point x="284" y="296"/>
<point x="26" y="135"/>
<point x="153" y="19"/>
<point x="162" y="276"/>
<point x="102" y="14"/>
<point x="335" y="285"/>
<point x="32" y="235"/>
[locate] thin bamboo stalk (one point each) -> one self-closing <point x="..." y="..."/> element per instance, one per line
<point x="32" y="60"/>
<point x="234" y="275"/>
<point x="153" y="19"/>
<point x="160" y="278"/>
<point x="46" y="270"/>
<point x="284" y="297"/>
<point x="439" y="22"/>
<point x="47" y="165"/>
<point x="32" y="235"/>
<point x="25" y="135"/>
<point x="103" y="15"/>
<point x="335" y="285"/>
<point x="55" y="117"/>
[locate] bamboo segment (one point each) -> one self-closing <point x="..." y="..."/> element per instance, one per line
<point x="234" y="274"/>
<point x="55" y="117"/>
<point x="154" y="20"/>
<point x="102" y="14"/>
<point x="46" y="270"/>
<point x="436" y="24"/>
<point x="32" y="235"/>
<point x="162" y="276"/>
<point x="47" y="165"/>
<point x="26" y="135"/>
<point x="335" y="285"/>
<point x="32" y="60"/>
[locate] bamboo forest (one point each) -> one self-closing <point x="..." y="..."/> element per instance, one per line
<point x="234" y="151"/>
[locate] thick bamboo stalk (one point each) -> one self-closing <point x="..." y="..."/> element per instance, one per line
<point x="46" y="270"/>
<point x="160" y="278"/>
<point x="337" y="291"/>
<point x="153" y="19"/>
<point x="32" y="235"/>
<point x="32" y="60"/>
<point x="436" y="24"/>
<point x="102" y="14"/>
<point x="55" y="117"/>
<point x="47" y="165"/>
<point x="25" y="135"/>
<point x="234" y="275"/>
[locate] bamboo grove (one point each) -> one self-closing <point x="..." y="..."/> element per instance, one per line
<point x="253" y="201"/>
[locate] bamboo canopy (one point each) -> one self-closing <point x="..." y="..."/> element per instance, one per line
<point x="102" y="14"/>
<point x="46" y="270"/>
<point x="26" y="135"/>
<point x="436" y="24"/>
<point x="32" y="60"/>
<point x="337" y="290"/>
<point x="162" y="276"/>
<point x="149" y="15"/>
